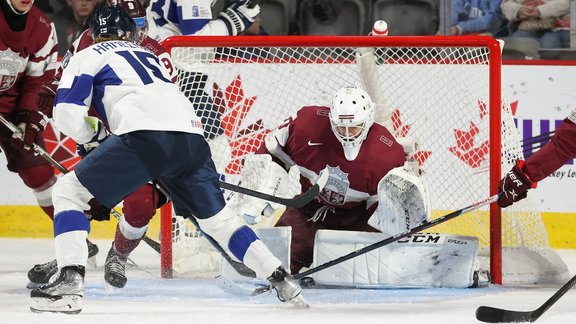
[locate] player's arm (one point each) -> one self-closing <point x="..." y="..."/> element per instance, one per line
<point x="526" y="174"/>
<point x="73" y="98"/>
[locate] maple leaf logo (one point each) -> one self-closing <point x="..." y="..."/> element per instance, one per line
<point x="402" y="130"/>
<point x="465" y="148"/>
<point x="232" y="106"/>
<point x="61" y="147"/>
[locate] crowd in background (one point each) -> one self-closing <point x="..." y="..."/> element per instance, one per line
<point x="537" y="28"/>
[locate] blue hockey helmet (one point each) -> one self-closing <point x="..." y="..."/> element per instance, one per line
<point x="112" y="23"/>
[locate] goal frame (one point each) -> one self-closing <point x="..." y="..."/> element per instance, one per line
<point x="494" y="103"/>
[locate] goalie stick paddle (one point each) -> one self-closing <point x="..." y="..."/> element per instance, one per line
<point x="498" y="315"/>
<point x="389" y="240"/>
<point x="38" y="150"/>
<point x="296" y="202"/>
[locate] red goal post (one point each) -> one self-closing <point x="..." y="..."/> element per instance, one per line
<point x="445" y="92"/>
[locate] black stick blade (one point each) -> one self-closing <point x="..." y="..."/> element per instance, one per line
<point x="496" y="315"/>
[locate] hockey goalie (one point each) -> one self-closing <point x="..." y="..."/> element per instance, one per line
<point x="372" y="193"/>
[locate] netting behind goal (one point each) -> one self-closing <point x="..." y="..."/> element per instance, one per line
<point x="444" y="92"/>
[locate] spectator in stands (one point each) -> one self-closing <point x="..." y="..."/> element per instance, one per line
<point x="475" y="17"/>
<point x="547" y="21"/>
<point x="71" y="21"/>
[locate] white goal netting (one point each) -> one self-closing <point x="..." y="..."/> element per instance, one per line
<point x="443" y="92"/>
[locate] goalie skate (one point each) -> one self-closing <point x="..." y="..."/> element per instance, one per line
<point x="115" y="269"/>
<point x="63" y="295"/>
<point x="40" y="274"/>
<point x="287" y="289"/>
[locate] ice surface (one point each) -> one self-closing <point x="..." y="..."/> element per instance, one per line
<point x="147" y="299"/>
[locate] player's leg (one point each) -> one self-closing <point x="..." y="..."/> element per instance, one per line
<point x="139" y="208"/>
<point x="303" y="233"/>
<point x="109" y="173"/>
<point x="199" y="192"/>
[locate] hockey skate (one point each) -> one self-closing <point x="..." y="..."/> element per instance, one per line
<point x="40" y="274"/>
<point x="114" y="269"/>
<point x="287" y="289"/>
<point x="63" y="295"/>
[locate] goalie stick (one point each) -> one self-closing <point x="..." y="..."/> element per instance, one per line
<point x="388" y="240"/>
<point x="296" y="202"/>
<point x="38" y="150"/>
<point x="498" y="315"/>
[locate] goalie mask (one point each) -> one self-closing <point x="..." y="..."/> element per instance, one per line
<point x="351" y="116"/>
<point x="136" y="11"/>
<point x="112" y="23"/>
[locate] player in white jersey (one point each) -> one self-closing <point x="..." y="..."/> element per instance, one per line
<point x="194" y="17"/>
<point x="155" y="135"/>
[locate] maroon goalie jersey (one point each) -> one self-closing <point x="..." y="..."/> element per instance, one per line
<point x="307" y="141"/>
<point x="553" y="155"/>
<point x="85" y="40"/>
<point x="28" y="59"/>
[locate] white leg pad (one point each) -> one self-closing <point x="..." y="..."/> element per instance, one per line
<point x="221" y="226"/>
<point x="277" y="240"/>
<point x="418" y="261"/>
<point x="69" y="194"/>
<point x="71" y="248"/>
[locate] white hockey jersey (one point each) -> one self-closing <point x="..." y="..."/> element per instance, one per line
<point x="129" y="89"/>
<point x="183" y="17"/>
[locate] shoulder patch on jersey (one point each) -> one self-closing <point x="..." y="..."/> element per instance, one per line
<point x="386" y="140"/>
<point x="322" y="112"/>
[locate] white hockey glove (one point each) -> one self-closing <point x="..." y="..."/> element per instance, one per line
<point x="260" y="173"/>
<point x="238" y="17"/>
<point x="403" y="202"/>
<point x="100" y="134"/>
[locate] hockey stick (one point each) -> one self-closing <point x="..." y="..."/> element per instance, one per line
<point x="38" y="150"/>
<point x="240" y="267"/>
<point x="296" y="202"/>
<point x="389" y="240"/>
<point x="498" y="315"/>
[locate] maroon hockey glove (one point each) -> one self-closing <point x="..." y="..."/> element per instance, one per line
<point x="32" y="124"/>
<point x="46" y="98"/>
<point x="515" y="185"/>
<point x="98" y="212"/>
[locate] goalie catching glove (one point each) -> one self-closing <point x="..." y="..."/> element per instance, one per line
<point x="403" y="202"/>
<point x="515" y="185"/>
<point x="260" y="173"/>
<point x="238" y="17"/>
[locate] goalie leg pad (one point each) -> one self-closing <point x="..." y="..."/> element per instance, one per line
<point x="418" y="261"/>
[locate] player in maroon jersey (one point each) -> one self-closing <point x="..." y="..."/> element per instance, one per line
<point x="356" y="152"/>
<point x="28" y="56"/>
<point x="140" y="206"/>
<point x="525" y="174"/>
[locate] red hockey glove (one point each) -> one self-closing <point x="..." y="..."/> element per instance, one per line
<point x="514" y="186"/>
<point x="46" y="98"/>
<point x="31" y="124"/>
<point x="98" y="212"/>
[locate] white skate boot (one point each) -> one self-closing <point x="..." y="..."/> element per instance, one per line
<point x="287" y="289"/>
<point x="63" y="295"/>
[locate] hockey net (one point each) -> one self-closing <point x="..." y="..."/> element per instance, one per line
<point x="444" y="92"/>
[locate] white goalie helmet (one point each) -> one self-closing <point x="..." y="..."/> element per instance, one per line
<point x="351" y="116"/>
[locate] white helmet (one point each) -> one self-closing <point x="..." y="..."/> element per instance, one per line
<point x="351" y="116"/>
